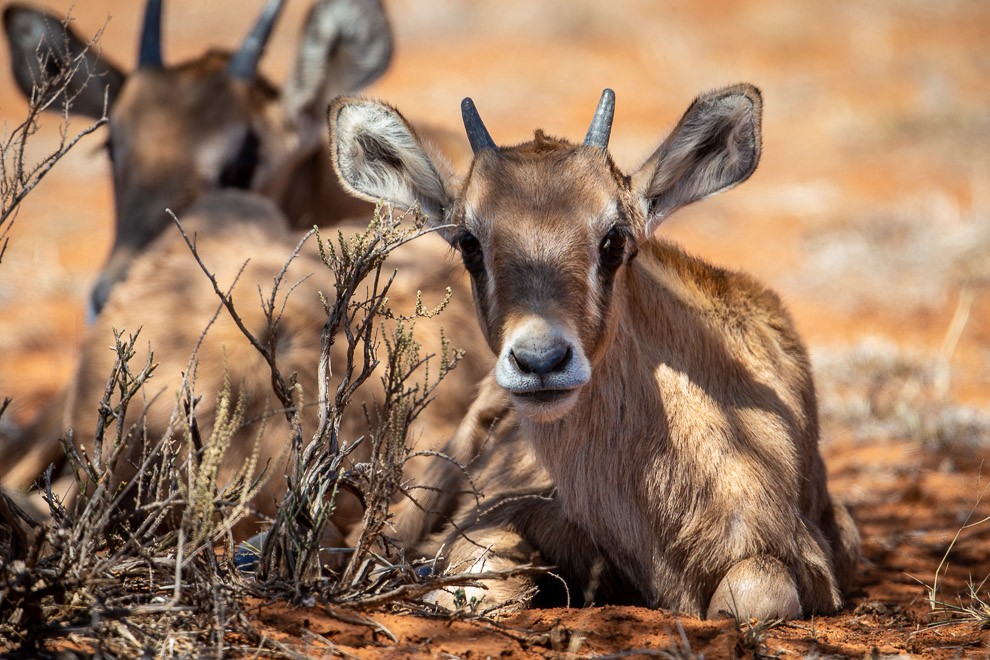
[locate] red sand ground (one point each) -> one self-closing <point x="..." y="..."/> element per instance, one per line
<point x="877" y="125"/>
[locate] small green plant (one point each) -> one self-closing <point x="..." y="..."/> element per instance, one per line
<point x="879" y="391"/>
<point x="463" y="603"/>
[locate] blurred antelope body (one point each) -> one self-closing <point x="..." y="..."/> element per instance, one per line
<point x="231" y="228"/>
<point x="242" y="168"/>
<point x="664" y="422"/>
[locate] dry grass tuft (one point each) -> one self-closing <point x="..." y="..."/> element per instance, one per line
<point x="971" y="607"/>
<point x="912" y="257"/>
<point x="877" y="391"/>
<point x="752" y="635"/>
<point x="137" y="563"/>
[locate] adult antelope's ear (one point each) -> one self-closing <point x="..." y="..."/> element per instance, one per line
<point x="346" y="45"/>
<point x="715" y="146"/>
<point x="43" y="49"/>
<point x="378" y="157"/>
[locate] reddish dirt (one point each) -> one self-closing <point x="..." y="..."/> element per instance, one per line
<point x="908" y="511"/>
<point x="876" y="134"/>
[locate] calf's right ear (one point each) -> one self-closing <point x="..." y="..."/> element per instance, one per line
<point x="43" y="48"/>
<point x="346" y="45"/>
<point x="378" y="157"/>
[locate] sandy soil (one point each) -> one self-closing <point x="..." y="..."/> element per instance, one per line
<point x="870" y="213"/>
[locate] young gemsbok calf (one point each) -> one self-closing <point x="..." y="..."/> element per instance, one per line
<point x="178" y="131"/>
<point x="663" y="408"/>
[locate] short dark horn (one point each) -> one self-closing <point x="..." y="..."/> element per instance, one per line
<point x="244" y="63"/>
<point x="150" y="50"/>
<point x="601" y="125"/>
<point x="476" y="132"/>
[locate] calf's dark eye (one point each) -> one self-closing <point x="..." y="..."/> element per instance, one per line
<point x="612" y="249"/>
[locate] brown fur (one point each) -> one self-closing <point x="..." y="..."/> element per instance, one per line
<point x="701" y="467"/>
<point x="680" y="453"/>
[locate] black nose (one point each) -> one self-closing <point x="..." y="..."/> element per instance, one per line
<point x="542" y="361"/>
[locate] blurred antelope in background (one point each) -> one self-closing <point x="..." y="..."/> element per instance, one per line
<point x="241" y="166"/>
<point x="214" y="122"/>
<point x="664" y="423"/>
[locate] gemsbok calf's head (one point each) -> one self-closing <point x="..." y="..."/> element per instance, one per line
<point x="548" y="228"/>
<point x="179" y="131"/>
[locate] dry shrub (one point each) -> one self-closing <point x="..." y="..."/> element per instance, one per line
<point x="379" y="344"/>
<point x="915" y="256"/>
<point x="60" y="75"/>
<point x="131" y="566"/>
<point x="292" y="561"/>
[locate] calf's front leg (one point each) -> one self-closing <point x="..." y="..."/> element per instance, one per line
<point x="487" y="549"/>
<point x="759" y="587"/>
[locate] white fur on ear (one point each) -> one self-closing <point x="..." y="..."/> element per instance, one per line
<point x="378" y="157"/>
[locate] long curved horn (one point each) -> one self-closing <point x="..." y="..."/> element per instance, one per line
<point x="244" y="63"/>
<point x="601" y="125"/>
<point x="477" y="134"/>
<point x="150" y="50"/>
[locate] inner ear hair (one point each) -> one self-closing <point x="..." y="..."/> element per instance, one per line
<point x="345" y="46"/>
<point x="378" y="157"/>
<point x="715" y="146"/>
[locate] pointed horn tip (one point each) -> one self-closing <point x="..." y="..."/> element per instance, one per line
<point x="601" y="124"/>
<point x="150" y="46"/>
<point x="244" y="62"/>
<point x="477" y="134"/>
<point x="607" y="101"/>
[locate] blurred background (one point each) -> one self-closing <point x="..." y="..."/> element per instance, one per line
<point x="870" y="212"/>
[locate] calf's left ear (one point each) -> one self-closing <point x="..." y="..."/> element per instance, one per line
<point x="715" y="146"/>
<point x="378" y="157"/>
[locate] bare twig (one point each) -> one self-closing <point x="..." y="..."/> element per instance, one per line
<point x="57" y="87"/>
